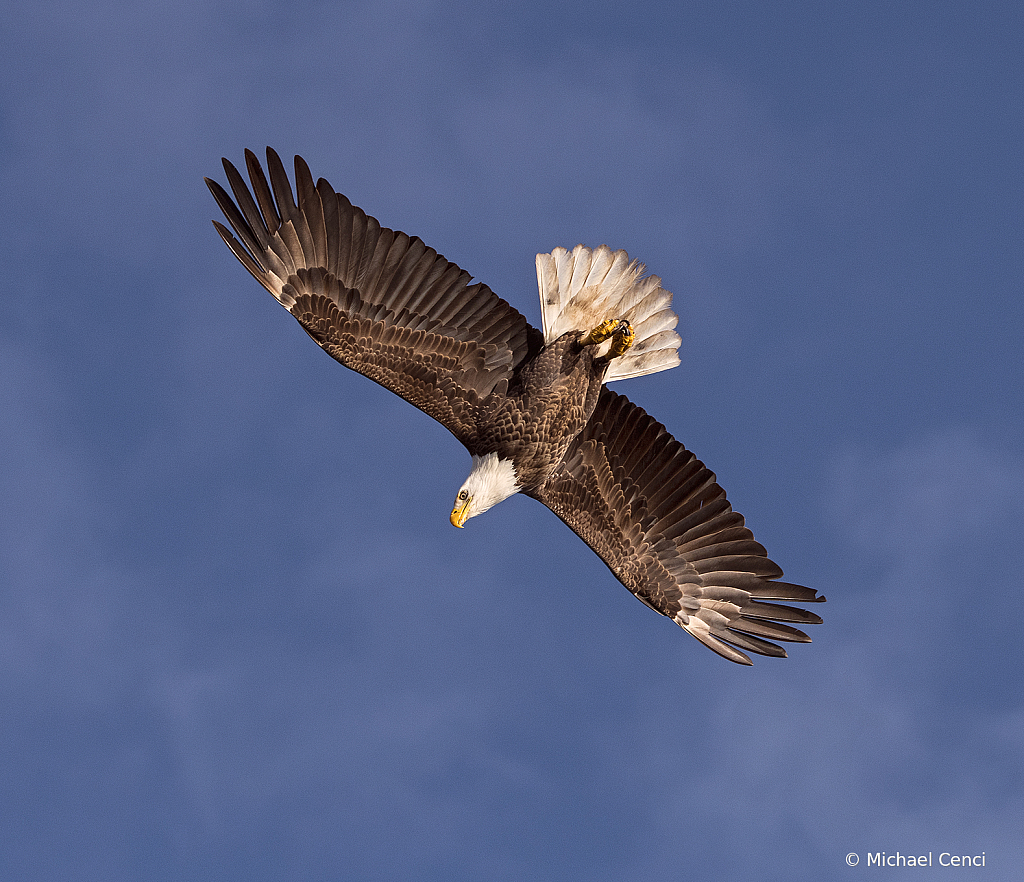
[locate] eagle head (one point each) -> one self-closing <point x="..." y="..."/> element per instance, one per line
<point x="490" y="481"/>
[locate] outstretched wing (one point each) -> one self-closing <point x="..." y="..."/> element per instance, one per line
<point x="377" y="300"/>
<point x="655" y="515"/>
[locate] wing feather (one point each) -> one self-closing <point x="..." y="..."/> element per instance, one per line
<point x="656" y="516"/>
<point x="377" y="300"/>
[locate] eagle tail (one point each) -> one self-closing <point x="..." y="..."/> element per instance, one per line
<point x="581" y="288"/>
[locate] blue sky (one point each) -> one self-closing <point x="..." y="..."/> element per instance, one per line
<point x="239" y="638"/>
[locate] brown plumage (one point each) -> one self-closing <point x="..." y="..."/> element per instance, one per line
<point x="531" y="409"/>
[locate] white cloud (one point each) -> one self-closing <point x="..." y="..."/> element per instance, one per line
<point x="869" y="739"/>
<point x="932" y="501"/>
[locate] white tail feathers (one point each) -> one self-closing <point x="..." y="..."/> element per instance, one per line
<point x="581" y="288"/>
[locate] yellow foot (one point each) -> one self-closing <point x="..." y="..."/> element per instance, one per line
<point x="619" y="329"/>
<point x="601" y="333"/>
<point x="623" y="339"/>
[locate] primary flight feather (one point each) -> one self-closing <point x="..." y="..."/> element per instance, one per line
<point x="531" y="406"/>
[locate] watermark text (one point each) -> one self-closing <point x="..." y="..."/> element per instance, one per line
<point x="929" y="859"/>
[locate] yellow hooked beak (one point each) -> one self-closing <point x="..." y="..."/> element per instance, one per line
<point x="461" y="510"/>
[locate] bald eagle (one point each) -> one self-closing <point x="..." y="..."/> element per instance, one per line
<point x="531" y="406"/>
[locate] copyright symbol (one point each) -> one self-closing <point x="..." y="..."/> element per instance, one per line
<point x="852" y="859"/>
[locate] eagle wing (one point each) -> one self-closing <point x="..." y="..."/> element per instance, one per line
<point x="377" y="300"/>
<point x="655" y="515"/>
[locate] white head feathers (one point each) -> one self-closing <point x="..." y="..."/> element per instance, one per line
<point x="490" y="481"/>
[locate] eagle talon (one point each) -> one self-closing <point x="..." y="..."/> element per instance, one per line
<point x="602" y="332"/>
<point x="623" y="339"/>
<point x="621" y="332"/>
